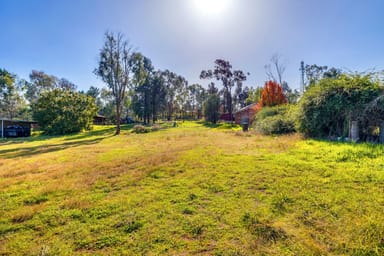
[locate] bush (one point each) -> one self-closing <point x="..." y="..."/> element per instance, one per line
<point x="140" y="129"/>
<point x="144" y="129"/>
<point x="63" y="111"/>
<point x="276" y="120"/>
<point x="327" y="107"/>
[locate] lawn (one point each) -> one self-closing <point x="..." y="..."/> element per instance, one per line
<point x="191" y="189"/>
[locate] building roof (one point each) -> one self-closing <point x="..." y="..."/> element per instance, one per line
<point x="99" y="116"/>
<point x="17" y="121"/>
<point x="246" y="107"/>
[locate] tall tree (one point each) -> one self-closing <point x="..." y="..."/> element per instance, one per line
<point x="10" y="98"/>
<point x="95" y="93"/>
<point x="212" y="104"/>
<point x="254" y="95"/>
<point x="275" y="70"/>
<point x="12" y="103"/>
<point x="142" y="70"/>
<point x="315" y="73"/>
<point x="181" y="96"/>
<point x="66" y="85"/>
<point x="157" y="95"/>
<point x="39" y="83"/>
<point x="115" y="69"/>
<point x="197" y="96"/>
<point x="223" y="72"/>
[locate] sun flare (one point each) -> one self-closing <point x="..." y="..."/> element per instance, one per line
<point x="211" y="7"/>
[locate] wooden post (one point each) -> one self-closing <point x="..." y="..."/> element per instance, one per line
<point x="381" y="133"/>
<point x="354" y="131"/>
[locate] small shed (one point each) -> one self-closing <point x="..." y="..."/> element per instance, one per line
<point x="15" y="128"/>
<point x="246" y="114"/>
<point x="99" y="119"/>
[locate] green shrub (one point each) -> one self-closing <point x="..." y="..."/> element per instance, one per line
<point x="63" y="111"/>
<point x="144" y="129"/>
<point x="276" y="120"/>
<point x="140" y="129"/>
<point x="327" y="107"/>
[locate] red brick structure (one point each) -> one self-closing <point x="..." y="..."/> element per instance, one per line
<point x="246" y="114"/>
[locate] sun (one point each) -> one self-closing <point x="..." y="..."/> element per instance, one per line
<point x="211" y="7"/>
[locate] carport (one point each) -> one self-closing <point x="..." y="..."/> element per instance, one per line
<point x="15" y="128"/>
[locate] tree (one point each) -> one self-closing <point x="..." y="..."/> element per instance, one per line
<point x="254" y="95"/>
<point x="272" y="95"/>
<point x="95" y="92"/>
<point x="314" y="73"/>
<point x="157" y="95"/>
<point x="181" y="96"/>
<point x="12" y="103"/>
<point x="143" y="72"/>
<point x="197" y="95"/>
<point x="212" y="105"/>
<point x="115" y="69"/>
<point x="63" y="111"/>
<point x="66" y="85"/>
<point x="223" y="72"/>
<point x="170" y="87"/>
<point x="41" y="82"/>
<point x="275" y="69"/>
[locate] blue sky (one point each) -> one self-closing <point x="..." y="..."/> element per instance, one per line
<point x="63" y="38"/>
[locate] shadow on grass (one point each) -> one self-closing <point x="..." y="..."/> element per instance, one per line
<point x="42" y="149"/>
<point x="104" y="131"/>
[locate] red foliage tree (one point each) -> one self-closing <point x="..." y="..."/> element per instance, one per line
<point x="272" y="95"/>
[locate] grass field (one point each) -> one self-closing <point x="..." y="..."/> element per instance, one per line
<point x="191" y="189"/>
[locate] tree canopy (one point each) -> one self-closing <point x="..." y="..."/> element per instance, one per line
<point x="115" y="68"/>
<point x="63" y="111"/>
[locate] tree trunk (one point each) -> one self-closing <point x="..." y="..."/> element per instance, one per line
<point x="117" y="118"/>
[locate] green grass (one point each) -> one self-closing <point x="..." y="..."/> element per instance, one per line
<point x="192" y="189"/>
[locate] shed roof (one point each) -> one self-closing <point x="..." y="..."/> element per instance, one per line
<point x="17" y="121"/>
<point x="246" y="107"/>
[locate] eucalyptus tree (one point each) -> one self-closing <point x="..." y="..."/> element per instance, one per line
<point x="142" y="72"/>
<point x="171" y="84"/>
<point x="223" y="72"/>
<point x="197" y="95"/>
<point x="115" y="69"/>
